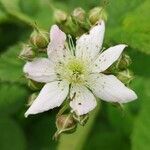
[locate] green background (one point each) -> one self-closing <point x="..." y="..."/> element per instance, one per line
<point x="108" y="128"/>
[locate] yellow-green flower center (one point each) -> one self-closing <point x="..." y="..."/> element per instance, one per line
<point x="73" y="70"/>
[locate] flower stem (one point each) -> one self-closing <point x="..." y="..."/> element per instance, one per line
<point x="77" y="140"/>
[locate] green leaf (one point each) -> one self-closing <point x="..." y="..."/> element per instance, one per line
<point x="76" y="140"/>
<point x="121" y="121"/>
<point x="141" y="132"/>
<point x="11" y="66"/>
<point x="11" y="135"/>
<point x="40" y="131"/>
<point x="136" y="26"/>
<point x="3" y="17"/>
<point x="42" y="14"/>
<point x="136" y="65"/>
<point x="12" y="8"/>
<point x="12" y="98"/>
<point x="129" y="24"/>
<point x="105" y="137"/>
<point x="118" y="9"/>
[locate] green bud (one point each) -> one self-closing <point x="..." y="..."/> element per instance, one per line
<point x="60" y="16"/>
<point x="118" y="105"/>
<point x="81" y="119"/>
<point x="65" y="124"/>
<point x="78" y="15"/>
<point x="32" y="98"/>
<point x="123" y="62"/>
<point x="97" y="14"/>
<point x="27" y="53"/>
<point x="125" y="76"/>
<point x="39" y="38"/>
<point x="33" y="85"/>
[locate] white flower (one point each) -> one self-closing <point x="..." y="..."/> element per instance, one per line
<point x="77" y="73"/>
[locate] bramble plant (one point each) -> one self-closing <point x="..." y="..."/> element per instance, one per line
<point x="72" y="63"/>
<point x="78" y="70"/>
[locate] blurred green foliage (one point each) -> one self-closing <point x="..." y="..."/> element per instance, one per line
<point x="128" y="22"/>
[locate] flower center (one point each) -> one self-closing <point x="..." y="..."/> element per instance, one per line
<point x="74" y="70"/>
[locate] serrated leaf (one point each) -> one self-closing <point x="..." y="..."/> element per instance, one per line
<point x="11" y="66"/>
<point x="11" y="135"/>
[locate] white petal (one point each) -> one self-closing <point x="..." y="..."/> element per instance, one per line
<point x="89" y="45"/>
<point x="55" y="48"/>
<point x="52" y="95"/>
<point x="107" y="58"/>
<point x="83" y="100"/>
<point x="40" y="70"/>
<point x="109" y="88"/>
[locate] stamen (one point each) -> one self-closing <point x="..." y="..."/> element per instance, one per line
<point x="71" y="44"/>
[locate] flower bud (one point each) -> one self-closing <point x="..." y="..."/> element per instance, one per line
<point x="60" y="16"/>
<point x="33" y="85"/>
<point x="125" y="76"/>
<point x="78" y="15"/>
<point x="31" y="99"/>
<point x="97" y="14"/>
<point x="65" y="124"/>
<point x="27" y="53"/>
<point x="124" y="62"/>
<point x="39" y="38"/>
<point x="81" y="119"/>
<point x="118" y="105"/>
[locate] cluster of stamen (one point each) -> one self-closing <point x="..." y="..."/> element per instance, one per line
<point x="72" y="70"/>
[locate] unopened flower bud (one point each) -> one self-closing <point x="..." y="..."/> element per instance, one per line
<point x="125" y="76"/>
<point x="81" y="119"/>
<point x="124" y="62"/>
<point x="118" y="105"/>
<point x="60" y="16"/>
<point x="33" y="85"/>
<point x="65" y="124"/>
<point x="78" y="15"/>
<point x="121" y="64"/>
<point x="32" y="98"/>
<point x="39" y="38"/>
<point x="27" y="53"/>
<point x="97" y="14"/>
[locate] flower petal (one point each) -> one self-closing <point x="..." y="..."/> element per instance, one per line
<point x="83" y="100"/>
<point x="107" y="58"/>
<point x="109" y="88"/>
<point x="89" y="45"/>
<point x="40" y="70"/>
<point x="55" y="48"/>
<point x="52" y="95"/>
